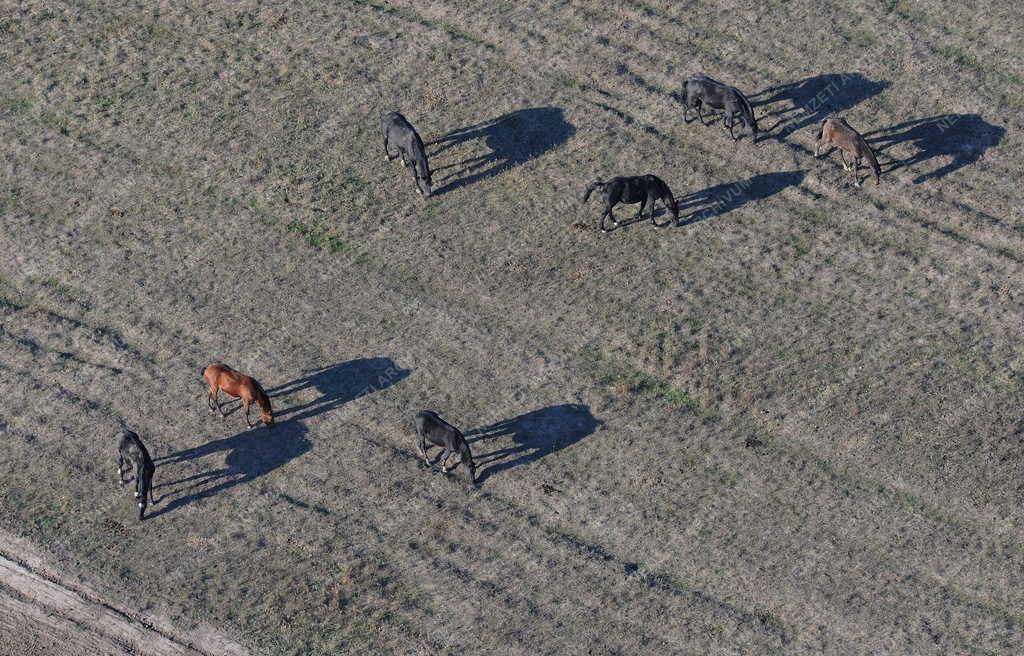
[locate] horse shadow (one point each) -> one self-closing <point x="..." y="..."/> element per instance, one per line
<point x="721" y="199"/>
<point x="534" y="435"/>
<point x="961" y="137"/>
<point x="511" y="139"/>
<point x="810" y="100"/>
<point x="250" y="454"/>
<point x="339" y="384"/>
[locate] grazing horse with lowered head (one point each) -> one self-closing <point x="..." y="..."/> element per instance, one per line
<point x="132" y="455"/>
<point x="701" y="90"/>
<point x="399" y="131"/>
<point x="431" y="428"/>
<point x="643" y="189"/>
<point x="222" y="377"/>
<point x="836" y="131"/>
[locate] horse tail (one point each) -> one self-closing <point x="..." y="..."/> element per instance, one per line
<point x="817" y="140"/>
<point x="590" y="188"/>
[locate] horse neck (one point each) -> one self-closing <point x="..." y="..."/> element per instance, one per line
<point x="261" y="398"/>
<point x="420" y="155"/>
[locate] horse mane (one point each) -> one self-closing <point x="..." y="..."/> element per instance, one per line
<point x="749" y="110"/>
<point x="467" y="455"/>
<point x="421" y="157"/>
<point x="875" y="168"/>
<point x="591" y="187"/>
<point x="261" y="397"/>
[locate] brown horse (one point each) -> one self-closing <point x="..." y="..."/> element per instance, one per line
<point x="836" y="131"/>
<point x="222" y="377"/>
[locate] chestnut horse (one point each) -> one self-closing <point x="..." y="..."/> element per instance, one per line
<point x="837" y="131"/>
<point x="222" y="377"/>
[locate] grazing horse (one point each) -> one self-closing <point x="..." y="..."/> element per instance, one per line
<point x="222" y="377"/>
<point x="643" y="189"/>
<point x="431" y="428"/>
<point x="701" y="90"/>
<point x="132" y="455"/>
<point x="410" y="148"/>
<point x="836" y="131"/>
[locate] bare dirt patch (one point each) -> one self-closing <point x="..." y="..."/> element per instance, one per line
<point x="41" y="614"/>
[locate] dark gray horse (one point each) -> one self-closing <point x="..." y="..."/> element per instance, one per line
<point x="431" y="428"/>
<point x="701" y="90"/>
<point x="132" y="452"/>
<point x="400" y="132"/>
<point x="643" y="189"/>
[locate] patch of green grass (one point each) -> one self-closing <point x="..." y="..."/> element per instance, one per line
<point x="903" y="9"/>
<point x="319" y="238"/>
<point x="634" y="381"/>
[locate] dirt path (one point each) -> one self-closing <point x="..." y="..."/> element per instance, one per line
<point x="42" y="614"/>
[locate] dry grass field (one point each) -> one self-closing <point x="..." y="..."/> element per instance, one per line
<point x="791" y="425"/>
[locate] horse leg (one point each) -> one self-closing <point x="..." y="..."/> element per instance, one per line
<point x="421" y="443"/>
<point x="611" y="215"/>
<point x="120" y="468"/>
<point x="856" y="175"/>
<point x="387" y="154"/>
<point x="651" y="200"/>
<point x="443" y="459"/>
<point x="640" y="212"/>
<point x="600" y="221"/>
<point x="245" y="404"/>
<point x="699" y="114"/>
<point x="732" y="123"/>
<point x="142" y="500"/>
<point x="216" y="401"/>
<point x="846" y="164"/>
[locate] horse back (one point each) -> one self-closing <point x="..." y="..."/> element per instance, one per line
<point x="436" y="430"/>
<point x="400" y="130"/>
<point x="232" y="382"/>
<point x="131" y="448"/>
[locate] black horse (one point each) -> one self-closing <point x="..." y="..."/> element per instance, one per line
<point x="701" y="90"/>
<point x="132" y="452"/>
<point x="410" y="148"/>
<point x="431" y="428"/>
<point x="643" y="189"/>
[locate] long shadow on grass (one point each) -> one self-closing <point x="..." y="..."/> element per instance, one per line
<point x="809" y="101"/>
<point x="510" y="140"/>
<point x="258" y="451"/>
<point x="720" y="199"/>
<point x="960" y="138"/>
<point x="534" y="435"/>
<point x="339" y="384"/>
<point x="249" y="455"/>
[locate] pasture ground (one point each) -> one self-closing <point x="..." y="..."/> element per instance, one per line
<point x="790" y="426"/>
